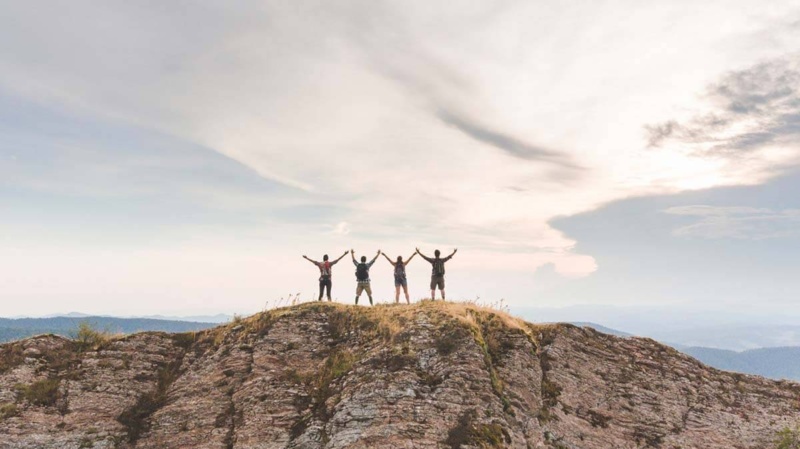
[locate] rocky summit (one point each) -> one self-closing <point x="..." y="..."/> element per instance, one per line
<point x="430" y="375"/>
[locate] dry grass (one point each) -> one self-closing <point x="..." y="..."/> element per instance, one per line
<point x="41" y="392"/>
<point x="385" y="321"/>
<point x="88" y="337"/>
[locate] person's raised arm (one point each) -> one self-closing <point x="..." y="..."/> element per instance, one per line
<point x="423" y="256"/>
<point x="312" y="261"/>
<point x="451" y="254"/>
<point x="409" y="259"/>
<point x="353" y="255"/>
<point x="388" y="259"/>
<point x="340" y="258"/>
<point x="375" y="258"/>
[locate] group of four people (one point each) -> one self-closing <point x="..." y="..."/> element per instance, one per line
<point x="400" y="281"/>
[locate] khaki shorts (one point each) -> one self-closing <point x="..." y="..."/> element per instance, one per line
<point x="363" y="288"/>
<point x="437" y="281"/>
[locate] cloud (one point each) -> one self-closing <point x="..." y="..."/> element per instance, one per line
<point x="749" y="111"/>
<point x="410" y="120"/>
<point x="737" y="222"/>
<point x="341" y="228"/>
<point x="509" y="144"/>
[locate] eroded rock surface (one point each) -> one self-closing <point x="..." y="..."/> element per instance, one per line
<point x="432" y="375"/>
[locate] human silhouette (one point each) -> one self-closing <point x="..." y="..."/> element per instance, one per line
<point x="400" y="276"/>
<point x="325" y="273"/>
<point x="437" y="274"/>
<point x="362" y="275"/>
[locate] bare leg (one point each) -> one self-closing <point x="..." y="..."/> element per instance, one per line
<point x="397" y="294"/>
<point x="443" y="295"/>
<point x="433" y="294"/>
<point x="405" y="290"/>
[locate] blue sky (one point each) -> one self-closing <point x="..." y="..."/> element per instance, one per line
<point x="179" y="158"/>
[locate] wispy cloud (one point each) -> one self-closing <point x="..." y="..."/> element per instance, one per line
<point x="750" y="110"/>
<point x="507" y="143"/>
<point x="715" y="222"/>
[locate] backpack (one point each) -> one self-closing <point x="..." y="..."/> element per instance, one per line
<point x="438" y="267"/>
<point x="325" y="269"/>
<point x="400" y="270"/>
<point x="362" y="272"/>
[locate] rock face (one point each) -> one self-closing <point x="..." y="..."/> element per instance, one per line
<point x="432" y="375"/>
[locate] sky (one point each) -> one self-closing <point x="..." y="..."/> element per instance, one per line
<point x="180" y="157"/>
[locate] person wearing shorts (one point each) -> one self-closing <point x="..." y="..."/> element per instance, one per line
<point x="400" y="276"/>
<point x="437" y="274"/>
<point x="325" y="274"/>
<point x="362" y="275"/>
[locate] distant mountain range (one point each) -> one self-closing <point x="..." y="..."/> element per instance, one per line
<point x="775" y="363"/>
<point x="17" y="328"/>
<point x="733" y="328"/>
<point x="218" y="318"/>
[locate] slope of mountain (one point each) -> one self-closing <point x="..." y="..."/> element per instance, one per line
<point x="775" y="363"/>
<point x="601" y="328"/>
<point x="431" y="375"/>
<point x="14" y="329"/>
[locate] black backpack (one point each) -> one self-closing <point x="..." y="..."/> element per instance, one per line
<point x="438" y="267"/>
<point x="400" y="270"/>
<point x="362" y="272"/>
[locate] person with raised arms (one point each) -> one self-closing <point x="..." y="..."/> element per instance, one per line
<point x="400" y="276"/>
<point x="437" y="275"/>
<point x="325" y="273"/>
<point x="362" y="275"/>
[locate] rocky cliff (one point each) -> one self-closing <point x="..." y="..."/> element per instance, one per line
<point x="431" y="375"/>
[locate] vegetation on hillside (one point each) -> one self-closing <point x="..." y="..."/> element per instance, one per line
<point x="788" y="438"/>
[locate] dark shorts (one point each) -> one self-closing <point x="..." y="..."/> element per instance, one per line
<point x="400" y="282"/>
<point x="437" y="281"/>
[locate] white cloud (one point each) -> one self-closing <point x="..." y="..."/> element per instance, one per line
<point x="341" y="228"/>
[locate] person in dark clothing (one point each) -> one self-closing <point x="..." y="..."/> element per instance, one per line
<point x="437" y="275"/>
<point x="400" y="276"/>
<point x="362" y="275"/>
<point x="325" y="273"/>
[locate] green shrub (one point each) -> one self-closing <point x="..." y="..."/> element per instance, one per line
<point x="11" y="356"/>
<point x="135" y="418"/>
<point x="8" y="410"/>
<point x="42" y="392"/>
<point x="788" y="438"/>
<point x="88" y="337"/>
<point x="469" y="432"/>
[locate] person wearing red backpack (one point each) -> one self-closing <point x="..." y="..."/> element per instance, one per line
<point x="362" y="275"/>
<point x="325" y="273"/>
<point x="400" y="276"/>
<point x="437" y="275"/>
